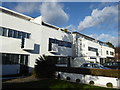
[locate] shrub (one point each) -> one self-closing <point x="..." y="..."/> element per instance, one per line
<point x="44" y="67"/>
<point x="65" y="30"/>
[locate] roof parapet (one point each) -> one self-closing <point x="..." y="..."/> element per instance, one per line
<point x="11" y="12"/>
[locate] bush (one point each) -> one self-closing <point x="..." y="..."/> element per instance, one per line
<point x="44" y="67"/>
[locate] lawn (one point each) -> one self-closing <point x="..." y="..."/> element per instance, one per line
<point x="45" y="83"/>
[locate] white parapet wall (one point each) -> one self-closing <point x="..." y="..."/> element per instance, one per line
<point x="87" y="79"/>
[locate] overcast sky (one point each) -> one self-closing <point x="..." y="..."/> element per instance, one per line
<point x="96" y="19"/>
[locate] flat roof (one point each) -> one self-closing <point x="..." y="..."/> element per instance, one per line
<point x="87" y="36"/>
<point x="11" y="12"/>
<point x="82" y="35"/>
<point x="14" y="13"/>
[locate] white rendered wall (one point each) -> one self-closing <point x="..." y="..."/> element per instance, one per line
<point x="98" y="80"/>
<point x="80" y="50"/>
<point x="55" y="34"/>
<point x="39" y="34"/>
<point x="109" y="49"/>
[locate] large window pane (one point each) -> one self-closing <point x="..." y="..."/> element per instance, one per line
<point x="22" y="59"/>
<point x="15" y="59"/>
<point x="1" y="31"/>
<point x="4" y="32"/>
<point x="23" y="35"/>
<point x="28" y="35"/>
<point x="92" y="49"/>
<point x="10" y="58"/>
<point x="15" y="34"/>
<point x="19" y="34"/>
<point x="10" y="33"/>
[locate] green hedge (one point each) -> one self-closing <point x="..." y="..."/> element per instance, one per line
<point x="95" y="72"/>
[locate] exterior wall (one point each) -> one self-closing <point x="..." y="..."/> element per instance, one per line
<point x="98" y="80"/>
<point x="81" y="52"/>
<point x="38" y="42"/>
<point x="105" y="49"/>
<point x="8" y="43"/>
<point x="55" y="34"/>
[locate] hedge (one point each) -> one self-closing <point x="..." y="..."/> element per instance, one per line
<point x="95" y="72"/>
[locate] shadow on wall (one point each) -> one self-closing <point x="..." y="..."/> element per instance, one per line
<point x="67" y="52"/>
<point x="77" y="62"/>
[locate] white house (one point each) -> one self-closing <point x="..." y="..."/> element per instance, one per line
<point x="87" y="49"/>
<point x="23" y="39"/>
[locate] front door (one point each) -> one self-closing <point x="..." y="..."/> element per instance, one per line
<point x="24" y="64"/>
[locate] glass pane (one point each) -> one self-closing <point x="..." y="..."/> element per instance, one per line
<point x="14" y="34"/>
<point x="10" y="33"/>
<point x="23" y="35"/>
<point x="28" y="35"/>
<point x="26" y="60"/>
<point x="19" y="34"/>
<point x="22" y="59"/>
<point x="4" y="32"/>
<point x="1" y="31"/>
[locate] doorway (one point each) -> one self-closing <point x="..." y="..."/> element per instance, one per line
<point x="24" y="64"/>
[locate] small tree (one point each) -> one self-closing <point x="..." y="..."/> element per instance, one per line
<point x="44" y="67"/>
<point x="65" y="30"/>
<point x="110" y="44"/>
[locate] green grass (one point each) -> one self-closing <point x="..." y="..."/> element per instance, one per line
<point x="49" y="83"/>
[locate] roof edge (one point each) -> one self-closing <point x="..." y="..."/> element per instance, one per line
<point x="3" y="9"/>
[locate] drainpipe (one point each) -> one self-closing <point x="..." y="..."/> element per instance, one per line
<point x="68" y="61"/>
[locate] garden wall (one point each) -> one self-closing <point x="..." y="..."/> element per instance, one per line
<point x="98" y="77"/>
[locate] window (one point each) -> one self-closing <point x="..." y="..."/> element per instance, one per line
<point x="69" y="45"/>
<point x="111" y="53"/>
<point x="10" y="33"/>
<point x="23" y="35"/>
<point x="15" y="34"/>
<point x="10" y="59"/>
<point x="62" y="60"/>
<point x="107" y="52"/>
<point x="4" y="32"/>
<point x="92" y="49"/>
<point x="59" y="42"/>
<point x="92" y="58"/>
<point x="14" y="59"/>
<point x="19" y="34"/>
<point x="50" y="46"/>
<point x="1" y="31"/>
<point x="28" y="35"/>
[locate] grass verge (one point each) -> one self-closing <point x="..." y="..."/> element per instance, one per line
<point x="46" y="83"/>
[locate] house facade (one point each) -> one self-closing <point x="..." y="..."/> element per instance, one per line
<point x="87" y="49"/>
<point x="23" y="39"/>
